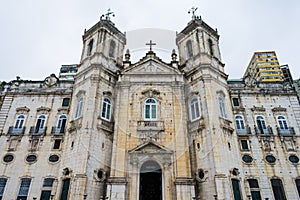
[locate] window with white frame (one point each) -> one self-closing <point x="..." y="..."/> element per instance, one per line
<point x="40" y="124"/>
<point x="150" y="109"/>
<point x="261" y="124"/>
<point x="19" y="123"/>
<point x="61" y="123"/>
<point x="79" y="107"/>
<point x="24" y="188"/>
<point x="2" y="186"/>
<point x="106" y="109"/>
<point x="222" y="107"/>
<point x="239" y="122"/>
<point x="195" y="112"/>
<point x="282" y="123"/>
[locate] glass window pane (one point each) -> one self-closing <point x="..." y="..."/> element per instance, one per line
<point x="24" y="187"/>
<point x="153" y="112"/>
<point x="2" y="185"/>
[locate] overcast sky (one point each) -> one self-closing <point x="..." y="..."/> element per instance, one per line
<point x="38" y="36"/>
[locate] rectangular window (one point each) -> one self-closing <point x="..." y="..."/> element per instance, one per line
<point x="66" y="102"/>
<point x="244" y="145"/>
<point x="24" y="189"/>
<point x="235" y="102"/>
<point x="236" y="189"/>
<point x="65" y="189"/>
<point x="2" y="186"/>
<point x="254" y="188"/>
<point x="278" y="190"/>
<point x="47" y="187"/>
<point x="56" y="144"/>
<point x="298" y="186"/>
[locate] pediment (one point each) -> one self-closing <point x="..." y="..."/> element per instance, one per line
<point x="150" y="147"/>
<point x="151" y="66"/>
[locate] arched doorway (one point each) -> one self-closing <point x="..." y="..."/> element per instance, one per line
<point x="150" y="181"/>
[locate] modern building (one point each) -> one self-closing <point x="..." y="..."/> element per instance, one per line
<point x="67" y="72"/>
<point x="264" y="67"/>
<point x="153" y="129"/>
<point x="287" y="74"/>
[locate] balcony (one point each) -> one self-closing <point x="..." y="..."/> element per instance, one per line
<point x="105" y="125"/>
<point x="58" y="130"/>
<point x="261" y="131"/>
<point x="37" y="131"/>
<point x="16" y="131"/>
<point x="286" y="132"/>
<point x="150" y="126"/>
<point x="245" y="131"/>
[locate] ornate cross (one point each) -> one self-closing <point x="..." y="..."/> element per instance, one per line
<point x="108" y="14"/>
<point x="193" y="10"/>
<point x="150" y="44"/>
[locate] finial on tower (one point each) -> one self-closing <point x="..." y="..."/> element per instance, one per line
<point x="193" y="10"/>
<point x="107" y="15"/>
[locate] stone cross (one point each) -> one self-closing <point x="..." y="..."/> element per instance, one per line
<point x="150" y="44"/>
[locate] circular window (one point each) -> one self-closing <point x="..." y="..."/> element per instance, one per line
<point x="8" y="158"/>
<point x="53" y="158"/>
<point x="247" y="158"/>
<point x="270" y="159"/>
<point x="293" y="159"/>
<point x="31" y="158"/>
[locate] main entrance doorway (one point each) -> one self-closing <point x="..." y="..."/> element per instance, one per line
<point x="150" y="181"/>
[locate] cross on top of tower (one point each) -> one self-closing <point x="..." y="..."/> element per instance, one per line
<point x="150" y="44"/>
<point x="193" y="10"/>
<point x="107" y="15"/>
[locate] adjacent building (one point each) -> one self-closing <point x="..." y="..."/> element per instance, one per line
<point x="264" y="67"/>
<point x="108" y="128"/>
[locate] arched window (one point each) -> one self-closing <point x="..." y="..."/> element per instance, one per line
<point x="189" y="48"/>
<point x="282" y="123"/>
<point x="239" y="121"/>
<point x="79" y="107"/>
<point x="210" y="45"/>
<point x="112" y="48"/>
<point x="150" y="109"/>
<point x="106" y="109"/>
<point x="261" y="124"/>
<point x="195" y="113"/>
<point x="40" y="124"/>
<point x="61" y="124"/>
<point x="19" y="121"/>
<point x="90" y="47"/>
<point x="222" y="107"/>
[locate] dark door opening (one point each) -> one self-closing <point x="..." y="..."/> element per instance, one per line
<point x="150" y="181"/>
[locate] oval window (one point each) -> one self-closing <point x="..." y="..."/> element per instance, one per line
<point x="31" y="158"/>
<point x="8" y="158"/>
<point x="247" y="158"/>
<point x="270" y="159"/>
<point x="293" y="159"/>
<point x="53" y="158"/>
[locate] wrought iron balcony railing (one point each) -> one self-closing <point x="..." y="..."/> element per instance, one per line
<point x="17" y="131"/>
<point x="37" y="130"/>
<point x="261" y="131"/>
<point x="289" y="131"/>
<point x="58" y="130"/>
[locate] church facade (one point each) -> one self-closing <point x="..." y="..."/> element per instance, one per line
<point x="150" y="129"/>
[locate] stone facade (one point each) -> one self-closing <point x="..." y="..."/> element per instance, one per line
<point x="150" y="129"/>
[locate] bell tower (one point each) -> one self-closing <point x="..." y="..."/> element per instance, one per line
<point x="210" y="131"/>
<point x="103" y="43"/>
